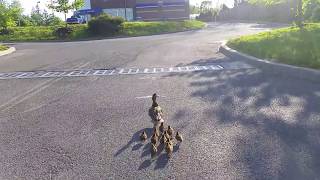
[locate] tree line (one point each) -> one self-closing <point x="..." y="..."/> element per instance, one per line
<point x="11" y="13"/>
<point x="304" y="10"/>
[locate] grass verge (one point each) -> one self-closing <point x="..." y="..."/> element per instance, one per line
<point x="294" y="46"/>
<point x="150" y="28"/>
<point x="3" y="47"/>
<point x="81" y="31"/>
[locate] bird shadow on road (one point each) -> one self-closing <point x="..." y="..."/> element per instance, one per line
<point x="161" y="160"/>
<point x="135" y="138"/>
<point x="145" y="164"/>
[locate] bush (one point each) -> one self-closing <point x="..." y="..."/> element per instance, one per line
<point x="63" y="32"/>
<point x="6" y="31"/>
<point x="3" y="47"/>
<point x="105" y="25"/>
<point x="316" y="14"/>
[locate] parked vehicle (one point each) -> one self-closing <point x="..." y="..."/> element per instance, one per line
<point x="76" y="20"/>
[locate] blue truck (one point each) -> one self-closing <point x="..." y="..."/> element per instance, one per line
<point x="81" y="16"/>
<point x="76" y="19"/>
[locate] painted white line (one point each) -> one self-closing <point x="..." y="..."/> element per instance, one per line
<point x="121" y="71"/>
<point x="52" y="74"/>
<point x="99" y="72"/>
<point x="147" y="97"/>
<point x="110" y="72"/>
<point x="221" y="67"/>
<point x="144" y="97"/>
<point x="79" y="73"/>
<point x="215" y="67"/>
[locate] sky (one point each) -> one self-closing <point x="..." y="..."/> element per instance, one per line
<point x="29" y="4"/>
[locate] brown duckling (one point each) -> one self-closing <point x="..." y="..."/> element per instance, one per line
<point x="161" y="127"/>
<point x="163" y="139"/>
<point x="153" y="150"/>
<point x="154" y="139"/>
<point x="179" y="137"/>
<point x="156" y="132"/>
<point x="168" y="137"/>
<point x="170" y="131"/>
<point x="143" y="136"/>
<point x="169" y="148"/>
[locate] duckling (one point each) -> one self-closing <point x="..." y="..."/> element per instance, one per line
<point x="170" y="131"/>
<point x="143" y="136"/>
<point x="167" y="135"/>
<point x="156" y="132"/>
<point x="161" y="128"/>
<point x="169" y="148"/>
<point x="153" y="150"/>
<point x="163" y="139"/>
<point x="179" y="137"/>
<point x="154" y="139"/>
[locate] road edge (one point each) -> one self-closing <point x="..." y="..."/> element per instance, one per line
<point x="272" y="67"/>
<point x="8" y="51"/>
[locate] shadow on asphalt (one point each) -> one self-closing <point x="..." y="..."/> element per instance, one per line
<point x="135" y="138"/>
<point x="161" y="160"/>
<point x="281" y="113"/>
<point x="205" y="62"/>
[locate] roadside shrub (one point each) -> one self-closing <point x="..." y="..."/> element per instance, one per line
<point x="105" y="25"/>
<point x="6" y="31"/>
<point x="316" y="14"/>
<point x="3" y="47"/>
<point x="63" y="32"/>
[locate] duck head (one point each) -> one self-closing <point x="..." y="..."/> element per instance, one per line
<point x="154" y="97"/>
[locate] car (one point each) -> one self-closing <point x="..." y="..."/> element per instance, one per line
<point x="76" y="20"/>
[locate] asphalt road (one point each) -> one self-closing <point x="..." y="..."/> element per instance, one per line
<point x="238" y="122"/>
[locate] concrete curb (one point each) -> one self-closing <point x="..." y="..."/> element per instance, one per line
<point x="8" y="51"/>
<point x="278" y="69"/>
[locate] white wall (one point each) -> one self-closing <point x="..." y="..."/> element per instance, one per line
<point x="87" y="4"/>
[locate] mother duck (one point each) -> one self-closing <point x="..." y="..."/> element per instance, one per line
<point x="156" y="112"/>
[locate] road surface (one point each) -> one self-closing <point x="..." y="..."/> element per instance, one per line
<point x="237" y="121"/>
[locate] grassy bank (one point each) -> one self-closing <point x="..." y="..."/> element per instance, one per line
<point x="81" y="31"/>
<point x="3" y="47"/>
<point x="299" y="47"/>
<point x="149" y="28"/>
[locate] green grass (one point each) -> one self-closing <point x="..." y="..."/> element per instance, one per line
<point x="29" y="34"/>
<point x="3" y="47"/>
<point x="150" y="28"/>
<point x="44" y="33"/>
<point x="299" y="47"/>
<point x="41" y="33"/>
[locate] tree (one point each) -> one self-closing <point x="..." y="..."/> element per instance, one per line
<point x="310" y="9"/>
<point x="43" y="18"/>
<point x="16" y="11"/>
<point x="206" y="6"/>
<point x="36" y="17"/>
<point x="298" y="7"/>
<point x="316" y="14"/>
<point x="65" y="6"/>
<point x="9" y="13"/>
<point x="25" y="21"/>
<point x="194" y="9"/>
